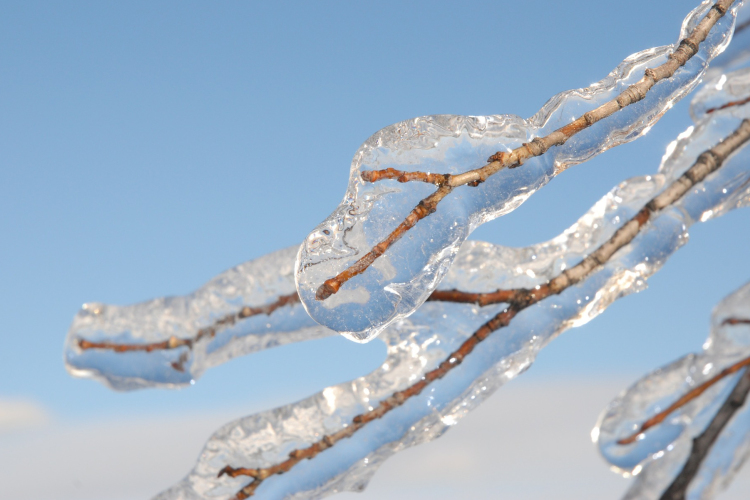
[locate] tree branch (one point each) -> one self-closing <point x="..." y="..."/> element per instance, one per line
<point x="481" y="299"/>
<point x="708" y="162"/>
<point x="206" y="332"/>
<point x="702" y="445"/>
<point x="728" y="105"/>
<point x="401" y="176"/>
<point x="694" y="392"/>
<point x="687" y="48"/>
<point x="736" y="321"/>
<point x="685" y="399"/>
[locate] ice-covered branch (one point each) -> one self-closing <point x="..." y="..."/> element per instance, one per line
<point x="170" y="341"/>
<point x="687" y="48"/>
<point x="205" y="332"/>
<point x="572" y="127"/>
<point x="696" y="433"/>
<point x="736" y="321"/>
<point x="685" y="399"/>
<point x="702" y="444"/>
<point x="335" y="439"/>
<point x="228" y="321"/>
<point x="707" y="163"/>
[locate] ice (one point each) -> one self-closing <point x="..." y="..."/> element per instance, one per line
<point x="255" y="283"/>
<point x="419" y="343"/>
<point x="659" y="456"/>
<point x="737" y="54"/>
<point x="659" y="453"/>
<point x="209" y="319"/>
<point x="402" y="278"/>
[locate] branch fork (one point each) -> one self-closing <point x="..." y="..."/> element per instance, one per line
<point x="686" y="49"/>
<point x="517" y="300"/>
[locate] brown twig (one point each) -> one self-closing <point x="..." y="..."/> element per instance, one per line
<point x="687" y="48"/>
<point x="736" y="321"/>
<point x="481" y="299"/>
<point x="209" y="331"/>
<point x="401" y="176"/>
<point x="694" y="392"/>
<point x="422" y="210"/>
<point x="518" y="300"/>
<point x="677" y="490"/>
<point x="728" y="105"/>
<point x="685" y="399"/>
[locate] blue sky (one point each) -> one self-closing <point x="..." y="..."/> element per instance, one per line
<point x="145" y="147"/>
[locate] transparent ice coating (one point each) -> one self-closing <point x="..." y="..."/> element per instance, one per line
<point x="420" y="342"/>
<point x="661" y="454"/>
<point x="400" y="280"/>
<point x="737" y="54"/>
<point x="255" y="283"/>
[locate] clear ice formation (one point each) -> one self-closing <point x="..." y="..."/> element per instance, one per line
<point x="420" y="342"/>
<point x="659" y="456"/>
<point x="256" y="283"/>
<point x="401" y="280"/>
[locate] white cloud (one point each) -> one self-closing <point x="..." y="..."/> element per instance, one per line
<point x="21" y="414"/>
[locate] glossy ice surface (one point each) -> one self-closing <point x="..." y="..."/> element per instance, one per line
<point x="401" y="279"/>
<point x="658" y="456"/>
<point x="418" y="343"/>
<point x="254" y="283"/>
<point x="415" y="344"/>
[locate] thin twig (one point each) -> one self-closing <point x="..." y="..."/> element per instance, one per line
<point x="481" y="299"/>
<point x="702" y="445"/>
<point x="478" y="298"/>
<point x="707" y="162"/>
<point x="694" y="392"/>
<point x="687" y="48"/>
<point x="401" y="176"/>
<point x="728" y="105"/>
<point x="209" y="331"/>
<point x="685" y="399"/>
<point x="736" y="321"/>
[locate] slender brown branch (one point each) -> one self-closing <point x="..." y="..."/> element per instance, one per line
<point x="687" y="48"/>
<point x="206" y="332"/>
<point x="693" y="393"/>
<point x="425" y="208"/>
<point x="736" y="321"/>
<point x="173" y="342"/>
<point x="685" y="399"/>
<point x="478" y="298"/>
<point x="728" y="105"/>
<point x="702" y="445"/>
<point x="401" y="176"/>
<point x="386" y="405"/>
<point x="518" y="300"/>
